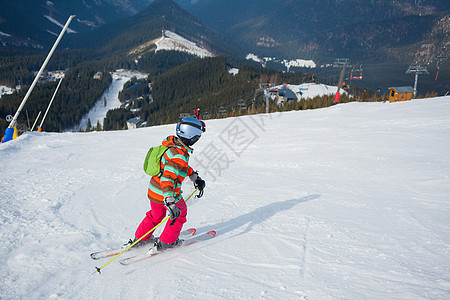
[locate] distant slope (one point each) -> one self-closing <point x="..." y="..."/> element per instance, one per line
<point x="172" y="41"/>
<point x="325" y="29"/>
<point x="386" y="37"/>
<point x="125" y="34"/>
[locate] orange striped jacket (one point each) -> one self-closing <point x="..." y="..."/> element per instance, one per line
<point x="175" y="166"/>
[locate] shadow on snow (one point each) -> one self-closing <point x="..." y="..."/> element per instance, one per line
<point x="258" y="216"/>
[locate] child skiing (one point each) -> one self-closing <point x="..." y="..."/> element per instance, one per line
<point x="164" y="190"/>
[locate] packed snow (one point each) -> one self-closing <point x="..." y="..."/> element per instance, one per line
<point x="345" y="202"/>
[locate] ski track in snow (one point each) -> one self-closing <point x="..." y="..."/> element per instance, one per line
<point x="346" y="202"/>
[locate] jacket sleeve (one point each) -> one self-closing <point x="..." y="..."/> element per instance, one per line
<point x="190" y="171"/>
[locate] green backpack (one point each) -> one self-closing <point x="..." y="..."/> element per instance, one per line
<point x="152" y="163"/>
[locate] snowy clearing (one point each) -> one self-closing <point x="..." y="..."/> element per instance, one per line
<point x="346" y="202"/>
<point x="310" y="90"/>
<point x="173" y="41"/>
<point x="99" y="111"/>
<point x="5" y="90"/>
<point x="305" y="63"/>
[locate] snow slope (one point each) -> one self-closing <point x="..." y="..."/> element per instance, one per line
<point x="310" y="90"/>
<point x="173" y="41"/>
<point x="347" y="202"/>
<point x="99" y="111"/>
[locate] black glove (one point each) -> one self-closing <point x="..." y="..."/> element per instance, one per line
<point x="174" y="211"/>
<point x="199" y="183"/>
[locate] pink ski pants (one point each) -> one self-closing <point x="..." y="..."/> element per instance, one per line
<point x="156" y="215"/>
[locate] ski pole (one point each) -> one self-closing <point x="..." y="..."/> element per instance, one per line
<point x="97" y="270"/>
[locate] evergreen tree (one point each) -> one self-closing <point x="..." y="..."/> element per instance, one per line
<point x="89" y="125"/>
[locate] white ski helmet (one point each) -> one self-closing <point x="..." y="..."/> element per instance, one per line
<point x="189" y="130"/>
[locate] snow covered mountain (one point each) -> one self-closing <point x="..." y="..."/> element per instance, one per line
<point x="346" y="202"/>
<point x="172" y="41"/>
<point x="137" y="35"/>
<point x="34" y="23"/>
<point x="386" y="37"/>
<point x="111" y="25"/>
<point x="337" y="28"/>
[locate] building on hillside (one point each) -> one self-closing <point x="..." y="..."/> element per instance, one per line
<point x="136" y="123"/>
<point x="135" y="86"/>
<point x="184" y="115"/>
<point x="49" y="76"/>
<point x="283" y="94"/>
<point x="98" y="75"/>
<point x="266" y="85"/>
<point x="401" y="93"/>
<point x="127" y="104"/>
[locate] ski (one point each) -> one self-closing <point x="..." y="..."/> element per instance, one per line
<point x="115" y="251"/>
<point x="190" y="241"/>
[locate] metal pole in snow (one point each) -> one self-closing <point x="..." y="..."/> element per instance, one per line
<point x="50" y="104"/>
<point x="416" y="70"/>
<point x="9" y="130"/>
<point x="415" y="83"/>
<point x="336" y="97"/>
<point x="36" y="121"/>
<point x="344" y="63"/>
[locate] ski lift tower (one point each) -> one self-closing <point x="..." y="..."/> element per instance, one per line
<point x="417" y="70"/>
<point x="340" y="62"/>
<point x="439" y="59"/>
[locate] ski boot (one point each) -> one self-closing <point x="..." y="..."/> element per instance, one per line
<point x="160" y="246"/>
<point x="141" y="243"/>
